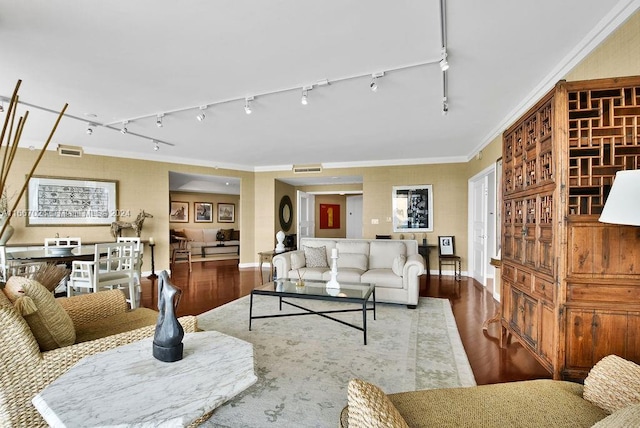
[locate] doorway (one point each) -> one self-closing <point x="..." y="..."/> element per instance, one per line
<point x="482" y="226"/>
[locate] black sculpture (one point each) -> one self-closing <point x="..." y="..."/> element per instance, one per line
<point x="167" y="341"/>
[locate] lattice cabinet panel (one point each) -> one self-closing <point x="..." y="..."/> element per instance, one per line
<point x="604" y="138"/>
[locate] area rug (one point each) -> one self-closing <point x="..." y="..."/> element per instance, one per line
<point x="304" y="363"/>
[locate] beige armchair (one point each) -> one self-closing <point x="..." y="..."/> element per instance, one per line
<point x="102" y="322"/>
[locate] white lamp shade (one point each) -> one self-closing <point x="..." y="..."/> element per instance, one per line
<point x="623" y="203"/>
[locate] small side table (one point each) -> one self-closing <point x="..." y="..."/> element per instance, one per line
<point x="266" y="257"/>
<point x="425" y="251"/>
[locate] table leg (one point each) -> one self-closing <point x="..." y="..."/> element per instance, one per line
<point x="250" y="310"/>
<point x="364" y="321"/>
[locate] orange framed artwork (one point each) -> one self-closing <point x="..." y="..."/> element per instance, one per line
<point x="329" y="216"/>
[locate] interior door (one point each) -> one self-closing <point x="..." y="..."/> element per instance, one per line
<point x="306" y="203"/>
<point x="354" y="217"/>
<point x="479" y="235"/>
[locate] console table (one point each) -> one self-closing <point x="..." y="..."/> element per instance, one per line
<point x="236" y="251"/>
<point x="127" y="386"/>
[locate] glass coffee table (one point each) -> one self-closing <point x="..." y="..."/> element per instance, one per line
<point x="363" y="294"/>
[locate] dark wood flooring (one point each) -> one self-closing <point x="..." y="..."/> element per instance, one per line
<point x="214" y="283"/>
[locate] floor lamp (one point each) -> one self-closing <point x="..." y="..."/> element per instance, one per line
<point x="623" y="203"/>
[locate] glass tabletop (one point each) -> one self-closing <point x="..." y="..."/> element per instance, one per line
<point x="288" y="287"/>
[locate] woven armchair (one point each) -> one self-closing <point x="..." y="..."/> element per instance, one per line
<point x="25" y="370"/>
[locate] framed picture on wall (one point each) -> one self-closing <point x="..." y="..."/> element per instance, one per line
<point x="203" y="212"/>
<point x="329" y="216"/>
<point x="226" y="213"/>
<point x="179" y="212"/>
<point x="412" y="208"/>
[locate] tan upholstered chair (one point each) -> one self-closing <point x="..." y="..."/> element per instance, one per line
<point x="101" y="318"/>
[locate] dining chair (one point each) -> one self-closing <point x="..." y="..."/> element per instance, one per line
<point x="62" y="242"/>
<point x="59" y="242"/>
<point x="112" y="267"/>
<point x="138" y="249"/>
<point x="181" y="251"/>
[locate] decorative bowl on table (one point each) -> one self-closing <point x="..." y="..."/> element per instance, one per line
<point x="60" y="250"/>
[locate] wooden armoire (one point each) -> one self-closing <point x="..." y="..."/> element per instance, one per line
<point x="570" y="284"/>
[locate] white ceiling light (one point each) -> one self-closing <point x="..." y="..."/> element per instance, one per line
<point x="1" y="106"/>
<point x="444" y="64"/>
<point x="156" y="147"/>
<point x="201" y="115"/>
<point x="124" y="127"/>
<point x="445" y="106"/>
<point x="159" y="120"/>
<point x="90" y="128"/>
<point x="247" y="105"/>
<point x="305" y="92"/>
<point x="374" y="81"/>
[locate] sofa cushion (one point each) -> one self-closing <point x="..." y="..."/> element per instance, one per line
<point x="370" y="407"/>
<point x="50" y="324"/>
<point x="209" y="235"/>
<point x="315" y="257"/>
<point x="383" y="252"/>
<point x="382" y="276"/>
<point x="345" y="275"/>
<point x="398" y="264"/>
<point x="235" y="235"/>
<point x="535" y="403"/>
<point x="308" y="273"/>
<point x="352" y="247"/>
<point x="115" y="324"/>
<point x="297" y="260"/>
<point x="194" y="234"/>
<point x="613" y="383"/>
<point x="352" y="260"/>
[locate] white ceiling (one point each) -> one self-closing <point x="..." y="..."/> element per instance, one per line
<point x="124" y="60"/>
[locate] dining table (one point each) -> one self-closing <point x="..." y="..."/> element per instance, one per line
<point x="53" y="254"/>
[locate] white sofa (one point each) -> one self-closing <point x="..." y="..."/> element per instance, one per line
<point x="362" y="260"/>
<point x="200" y="237"/>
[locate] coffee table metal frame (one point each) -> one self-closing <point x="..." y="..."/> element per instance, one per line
<point x="316" y="290"/>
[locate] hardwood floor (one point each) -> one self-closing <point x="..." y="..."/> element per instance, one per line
<point x="212" y="284"/>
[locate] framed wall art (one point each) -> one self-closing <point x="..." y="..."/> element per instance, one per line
<point x="226" y="213"/>
<point x="446" y="246"/>
<point x="53" y="201"/>
<point x="329" y="216"/>
<point x="412" y="208"/>
<point x="203" y="212"/>
<point x="179" y="212"/>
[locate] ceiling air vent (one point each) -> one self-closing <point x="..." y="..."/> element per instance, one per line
<point x="73" y="151"/>
<point x="307" y="169"/>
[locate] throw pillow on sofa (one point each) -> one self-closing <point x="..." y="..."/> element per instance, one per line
<point x="315" y="257"/>
<point x="49" y="322"/>
<point x="297" y="260"/>
<point x="398" y="264"/>
<point x="227" y="234"/>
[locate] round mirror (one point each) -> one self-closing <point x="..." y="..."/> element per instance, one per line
<point x="286" y="213"/>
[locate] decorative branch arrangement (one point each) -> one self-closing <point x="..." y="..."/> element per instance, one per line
<point x="12" y="145"/>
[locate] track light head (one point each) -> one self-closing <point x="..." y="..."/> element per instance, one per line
<point x="444" y="64"/>
<point x="156" y="147"/>
<point x="1" y="106"/>
<point x="305" y="92"/>
<point x="374" y="81"/>
<point x="201" y="115"/>
<point x="90" y="129"/>
<point x="247" y="105"/>
<point x="445" y="106"/>
<point x="124" y="127"/>
<point x="159" y="120"/>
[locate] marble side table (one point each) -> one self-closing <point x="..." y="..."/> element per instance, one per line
<point x="126" y="386"/>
